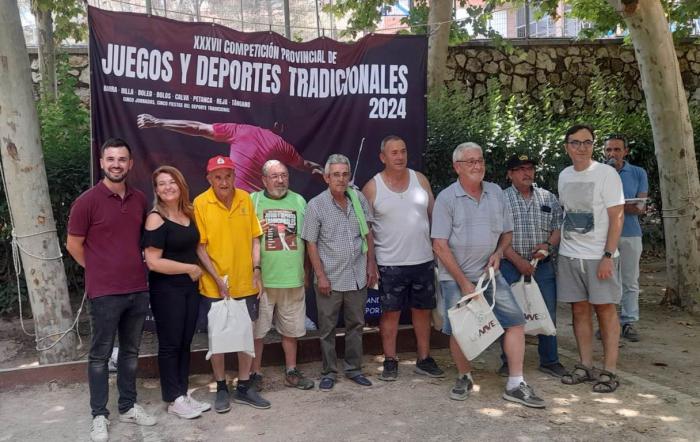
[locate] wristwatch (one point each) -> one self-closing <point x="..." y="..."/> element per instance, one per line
<point x="257" y="268"/>
<point x="607" y="254"/>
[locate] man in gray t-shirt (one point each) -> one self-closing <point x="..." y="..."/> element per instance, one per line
<point x="472" y="226"/>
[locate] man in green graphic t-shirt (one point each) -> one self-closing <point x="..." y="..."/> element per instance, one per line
<point x="281" y="214"/>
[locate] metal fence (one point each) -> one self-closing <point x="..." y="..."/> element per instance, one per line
<point x="304" y="20"/>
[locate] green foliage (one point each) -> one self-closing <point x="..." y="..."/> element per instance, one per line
<point x="417" y="20"/>
<point x="365" y="14"/>
<point x="520" y="124"/>
<point x="66" y="14"/>
<point x="65" y="138"/>
<point x="604" y="19"/>
<point x="601" y="16"/>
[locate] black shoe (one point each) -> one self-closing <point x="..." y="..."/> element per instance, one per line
<point x="629" y="333"/>
<point x="391" y="370"/>
<point x="256" y="381"/>
<point x="361" y="380"/>
<point x="326" y="384"/>
<point x="503" y="371"/>
<point x="524" y="394"/>
<point x="428" y="367"/>
<point x="222" y="403"/>
<point x="463" y="385"/>
<point x="250" y="397"/>
<point x="557" y="370"/>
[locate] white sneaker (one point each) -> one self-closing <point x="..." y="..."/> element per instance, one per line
<point x="194" y="403"/>
<point x="181" y="407"/>
<point x="137" y="415"/>
<point x="98" y="430"/>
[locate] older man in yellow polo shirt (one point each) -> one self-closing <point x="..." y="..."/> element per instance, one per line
<point x="229" y="249"/>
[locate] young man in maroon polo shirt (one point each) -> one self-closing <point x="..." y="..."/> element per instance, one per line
<point x="104" y="235"/>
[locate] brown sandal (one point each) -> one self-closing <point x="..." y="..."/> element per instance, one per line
<point x="579" y="375"/>
<point x="607" y="382"/>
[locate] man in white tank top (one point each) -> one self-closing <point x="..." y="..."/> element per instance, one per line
<point x="402" y="203"/>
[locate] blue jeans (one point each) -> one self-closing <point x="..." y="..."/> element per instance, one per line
<point x="546" y="280"/>
<point x="124" y="314"/>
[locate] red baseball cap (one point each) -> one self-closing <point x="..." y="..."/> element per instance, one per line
<point x="220" y="162"/>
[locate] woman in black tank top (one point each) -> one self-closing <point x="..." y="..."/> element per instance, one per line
<point x="170" y="242"/>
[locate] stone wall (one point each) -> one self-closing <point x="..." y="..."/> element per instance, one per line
<point x="567" y="66"/>
<point x="78" y="68"/>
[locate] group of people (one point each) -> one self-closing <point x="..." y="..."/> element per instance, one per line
<point x="263" y="248"/>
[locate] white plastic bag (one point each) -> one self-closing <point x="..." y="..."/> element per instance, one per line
<point x="474" y="325"/>
<point x="528" y="296"/>
<point x="230" y="328"/>
<point x="437" y="313"/>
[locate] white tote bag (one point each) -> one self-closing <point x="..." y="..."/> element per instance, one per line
<point x="230" y="328"/>
<point x="473" y="323"/>
<point x="528" y="296"/>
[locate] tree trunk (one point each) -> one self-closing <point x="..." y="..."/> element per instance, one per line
<point x="667" y="106"/>
<point x="439" y="28"/>
<point x="47" y="50"/>
<point x="28" y="193"/>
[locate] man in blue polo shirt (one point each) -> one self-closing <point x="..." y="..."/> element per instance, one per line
<point x="635" y="185"/>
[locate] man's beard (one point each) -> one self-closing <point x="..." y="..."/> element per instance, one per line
<point x="278" y="193"/>
<point x="111" y="178"/>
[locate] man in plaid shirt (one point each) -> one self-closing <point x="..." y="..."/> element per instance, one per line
<point x="341" y="251"/>
<point x="537" y="218"/>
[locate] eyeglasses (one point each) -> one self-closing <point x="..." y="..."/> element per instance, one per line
<point x="471" y="163"/>
<point x="284" y="176"/>
<point x="576" y="144"/>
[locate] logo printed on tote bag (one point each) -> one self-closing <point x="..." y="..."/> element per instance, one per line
<point x="487" y="328"/>
<point x="533" y="317"/>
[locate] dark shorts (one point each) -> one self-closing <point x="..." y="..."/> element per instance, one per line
<point x="252" y="303"/>
<point x="412" y="286"/>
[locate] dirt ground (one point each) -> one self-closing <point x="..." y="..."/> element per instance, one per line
<point x="659" y="398"/>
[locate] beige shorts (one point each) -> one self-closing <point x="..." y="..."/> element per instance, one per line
<point x="288" y="309"/>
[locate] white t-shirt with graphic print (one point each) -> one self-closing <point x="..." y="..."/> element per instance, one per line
<point x="585" y="197"/>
